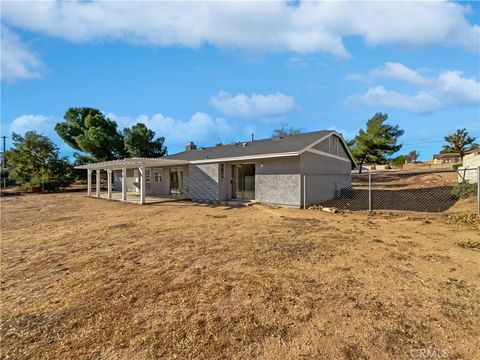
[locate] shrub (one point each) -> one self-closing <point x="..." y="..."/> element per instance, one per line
<point x="464" y="190"/>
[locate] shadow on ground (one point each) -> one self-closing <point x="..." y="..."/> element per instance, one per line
<point x="434" y="199"/>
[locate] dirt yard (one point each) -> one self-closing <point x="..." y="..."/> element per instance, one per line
<point x="85" y="278"/>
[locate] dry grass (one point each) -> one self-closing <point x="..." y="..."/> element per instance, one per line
<point x="87" y="278"/>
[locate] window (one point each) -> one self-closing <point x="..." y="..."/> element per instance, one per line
<point x="222" y="171"/>
<point x="147" y="175"/>
<point x="157" y="175"/>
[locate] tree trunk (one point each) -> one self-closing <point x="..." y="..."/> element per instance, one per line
<point x="361" y="164"/>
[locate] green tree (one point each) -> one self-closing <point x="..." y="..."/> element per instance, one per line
<point x="399" y="160"/>
<point x="89" y="131"/>
<point x="377" y="141"/>
<point x="459" y="142"/>
<point x="34" y="161"/>
<point x="139" y="142"/>
<point x="285" y="131"/>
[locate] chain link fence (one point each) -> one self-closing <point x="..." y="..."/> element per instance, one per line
<point x="455" y="191"/>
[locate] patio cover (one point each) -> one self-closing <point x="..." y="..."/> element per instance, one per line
<point x="130" y="163"/>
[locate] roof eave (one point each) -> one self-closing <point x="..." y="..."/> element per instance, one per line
<point x="132" y="163"/>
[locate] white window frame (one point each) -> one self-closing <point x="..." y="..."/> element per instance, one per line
<point x="147" y="175"/>
<point x="159" y="172"/>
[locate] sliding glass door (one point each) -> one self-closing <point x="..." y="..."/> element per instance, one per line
<point x="243" y="181"/>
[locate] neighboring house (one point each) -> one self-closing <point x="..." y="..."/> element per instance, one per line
<point x="280" y="171"/>
<point x="378" y="167"/>
<point x="449" y="158"/>
<point x="469" y="169"/>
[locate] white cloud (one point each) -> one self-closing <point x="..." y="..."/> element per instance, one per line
<point x="17" y="61"/>
<point x="458" y="89"/>
<point x="43" y="124"/>
<point x="448" y="88"/>
<point x="399" y="72"/>
<point x="312" y="26"/>
<point x="347" y="134"/>
<point x="419" y="103"/>
<point x="28" y="122"/>
<point x="255" y="106"/>
<point x="200" y="128"/>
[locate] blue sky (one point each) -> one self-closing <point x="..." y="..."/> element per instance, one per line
<point x="217" y="72"/>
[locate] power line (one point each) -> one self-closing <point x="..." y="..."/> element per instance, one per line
<point x="433" y="141"/>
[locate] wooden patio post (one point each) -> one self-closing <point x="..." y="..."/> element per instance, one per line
<point x="124" y="184"/>
<point x="89" y="182"/>
<point x="141" y="169"/>
<point x="109" y="183"/>
<point x="97" y="194"/>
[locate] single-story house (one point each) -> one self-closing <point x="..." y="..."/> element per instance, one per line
<point x="448" y="158"/>
<point x="469" y="170"/>
<point x="289" y="171"/>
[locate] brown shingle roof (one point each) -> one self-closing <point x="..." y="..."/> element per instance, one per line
<point x="446" y="156"/>
<point x="291" y="143"/>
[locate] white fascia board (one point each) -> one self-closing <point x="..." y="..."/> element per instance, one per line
<point x="322" y="153"/>
<point x="132" y="164"/>
<point x="241" y="158"/>
<point x="316" y="142"/>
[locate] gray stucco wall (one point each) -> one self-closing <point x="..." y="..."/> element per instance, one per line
<point x="332" y="145"/>
<point x="151" y="187"/>
<point x="279" y="189"/>
<point x="277" y="181"/>
<point x="225" y="184"/>
<point x="158" y="188"/>
<point x="132" y="178"/>
<point x="163" y="187"/>
<point x="324" y="177"/>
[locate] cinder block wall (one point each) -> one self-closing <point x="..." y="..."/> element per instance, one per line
<point x="471" y="162"/>
<point x="203" y="182"/>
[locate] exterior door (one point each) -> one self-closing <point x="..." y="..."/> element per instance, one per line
<point x="174" y="182"/>
<point x="243" y="184"/>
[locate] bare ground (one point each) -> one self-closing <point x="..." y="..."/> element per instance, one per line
<point x="88" y="278"/>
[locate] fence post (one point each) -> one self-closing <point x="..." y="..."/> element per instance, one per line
<point x="369" y="192"/>
<point x="478" y="190"/>
<point x="304" y="192"/>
